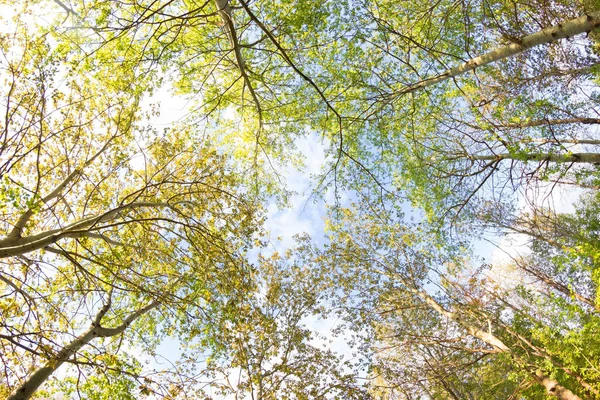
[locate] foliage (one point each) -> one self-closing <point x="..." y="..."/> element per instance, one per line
<point x="119" y="237"/>
<point x="441" y="326"/>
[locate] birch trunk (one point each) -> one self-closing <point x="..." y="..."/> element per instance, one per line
<point x="565" y="121"/>
<point x="568" y="29"/>
<point x="15" y="246"/>
<point x="35" y="380"/>
<point x="552" y="387"/>
<point x="586" y="158"/>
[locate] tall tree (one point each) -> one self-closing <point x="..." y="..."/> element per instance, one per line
<point x="372" y="77"/>
<point x="407" y="293"/>
<point x="443" y="134"/>
<point x="264" y="348"/>
<point x="107" y="225"/>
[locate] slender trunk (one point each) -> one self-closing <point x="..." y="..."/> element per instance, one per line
<point x="568" y="72"/>
<point x="449" y="388"/>
<point x="557" y="141"/>
<point x="585" y="158"/>
<point x="552" y="387"/>
<point x="590" y="389"/>
<point x="39" y="376"/>
<point x="564" y="121"/>
<point x="224" y="10"/>
<point x="541" y="352"/>
<point x="528" y="230"/>
<point x="559" y="286"/>
<point x="543" y="122"/>
<point x="24" y="218"/>
<point x="585" y="23"/>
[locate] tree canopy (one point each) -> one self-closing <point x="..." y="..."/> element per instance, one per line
<point x="122" y="239"/>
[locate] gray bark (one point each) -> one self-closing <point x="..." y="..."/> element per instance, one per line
<point x="552" y="387"/>
<point x="24" y="218"/>
<point x="13" y="246"/>
<point x="564" y="121"/>
<point x="38" y="377"/>
<point x="568" y="29"/>
<point x="224" y="10"/>
<point x="586" y="158"/>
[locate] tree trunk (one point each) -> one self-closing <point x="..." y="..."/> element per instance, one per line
<point x="36" y="379"/>
<point x="585" y="23"/>
<point x="586" y="158"/>
<point x="552" y="387"/>
<point x="10" y="247"/>
<point x="565" y="121"/>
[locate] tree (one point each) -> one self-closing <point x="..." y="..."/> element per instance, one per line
<point x="96" y="330"/>
<point x="114" y="231"/>
<point x="585" y="23"/>
<point x="412" y="295"/>
<point x="442" y="137"/>
<point x="394" y="123"/>
<point x="95" y="247"/>
<point x="264" y="350"/>
<point x="229" y="56"/>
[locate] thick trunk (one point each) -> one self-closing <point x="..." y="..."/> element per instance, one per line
<point x="39" y="376"/>
<point x="486" y="337"/>
<point x="36" y="379"/>
<point x="568" y="29"/>
<point x="586" y="158"/>
<point x="554" y="389"/>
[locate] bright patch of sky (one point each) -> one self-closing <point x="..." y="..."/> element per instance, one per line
<point x="305" y="215"/>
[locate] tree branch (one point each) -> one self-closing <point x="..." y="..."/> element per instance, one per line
<point x="568" y="29"/>
<point x="35" y="380"/>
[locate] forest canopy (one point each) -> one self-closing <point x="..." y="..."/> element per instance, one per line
<point x="136" y="257"/>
